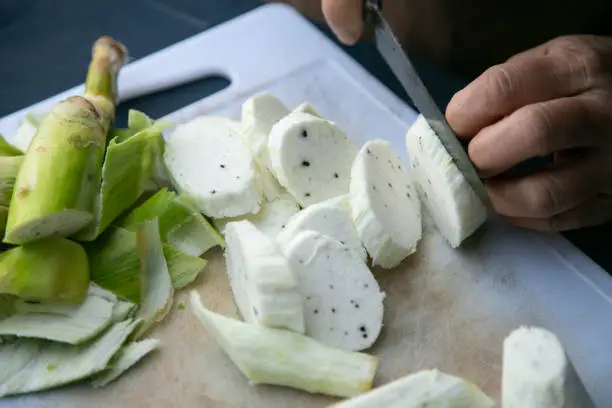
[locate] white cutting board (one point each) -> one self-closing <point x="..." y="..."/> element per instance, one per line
<point x="445" y="308"/>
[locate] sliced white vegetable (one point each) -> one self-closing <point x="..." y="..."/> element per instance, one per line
<point x="272" y="218"/>
<point x="311" y="157"/>
<point x="285" y="358"/>
<point x="385" y="206"/>
<point x="156" y="285"/>
<point x="343" y="304"/>
<point x="430" y="388"/>
<point x="127" y="357"/>
<point x="208" y="160"/>
<point x="259" y="114"/>
<point x="307" y="107"/>
<point x="31" y="365"/>
<point x="329" y="217"/>
<point x="538" y="373"/>
<point x="65" y="323"/>
<point x="449" y="199"/>
<point x="263" y="283"/>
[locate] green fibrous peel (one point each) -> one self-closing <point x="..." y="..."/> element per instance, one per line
<point x="33" y="365"/>
<point x="115" y="264"/>
<point x="73" y="324"/>
<point x="156" y="291"/>
<point x="180" y="224"/>
<point x="54" y="269"/>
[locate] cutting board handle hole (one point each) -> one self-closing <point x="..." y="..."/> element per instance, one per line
<point x="169" y="100"/>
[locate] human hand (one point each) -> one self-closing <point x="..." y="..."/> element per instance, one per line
<point x="553" y="99"/>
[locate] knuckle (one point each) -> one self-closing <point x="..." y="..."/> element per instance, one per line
<point x="585" y="60"/>
<point x="499" y="81"/>
<point x="542" y="200"/>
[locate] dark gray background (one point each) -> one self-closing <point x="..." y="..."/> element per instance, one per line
<point x="45" y="48"/>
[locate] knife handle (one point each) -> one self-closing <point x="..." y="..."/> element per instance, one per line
<point x="371" y="8"/>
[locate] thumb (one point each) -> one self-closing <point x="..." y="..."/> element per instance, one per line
<point x="345" y="18"/>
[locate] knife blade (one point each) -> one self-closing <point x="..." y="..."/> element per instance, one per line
<point x="401" y="66"/>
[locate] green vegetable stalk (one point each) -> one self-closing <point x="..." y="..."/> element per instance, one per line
<point x="54" y="270"/>
<point x="59" y="178"/>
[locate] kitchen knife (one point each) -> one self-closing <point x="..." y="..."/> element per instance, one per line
<point x="393" y="54"/>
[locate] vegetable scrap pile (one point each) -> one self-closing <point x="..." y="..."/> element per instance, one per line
<point x="100" y="244"/>
<point x="95" y="244"/>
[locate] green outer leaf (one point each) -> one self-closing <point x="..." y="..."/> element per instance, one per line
<point x="54" y="269"/>
<point x="180" y="223"/>
<point x="126" y="171"/>
<point x="155" y="206"/>
<point x="7" y="149"/>
<point x="115" y="265"/>
<point x="34" y="365"/>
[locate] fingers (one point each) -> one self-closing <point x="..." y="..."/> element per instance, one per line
<point x="538" y="130"/>
<point x="593" y="212"/>
<point x="345" y="18"/>
<point x="534" y="76"/>
<point x="550" y="191"/>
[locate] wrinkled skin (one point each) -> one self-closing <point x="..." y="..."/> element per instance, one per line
<point x="553" y="99"/>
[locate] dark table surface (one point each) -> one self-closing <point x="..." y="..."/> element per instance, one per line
<point x="45" y="48"/>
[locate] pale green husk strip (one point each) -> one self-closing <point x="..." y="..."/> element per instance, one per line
<point x="127" y="357"/>
<point x="33" y="365"/>
<point x="180" y="223"/>
<point x="115" y="265"/>
<point x="285" y="358"/>
<point x="77" y="325"/>
<point x="156" y="291"/>
<point x="127" y="168"/>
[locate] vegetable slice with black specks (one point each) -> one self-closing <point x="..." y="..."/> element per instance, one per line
<point x="263" y="283"/>
<point x="311" y="157"/>
<point x="385" y="206"/>
<point x="330" y="217"/>
<point x="456" y="210"/>
<point x="285" y="358"/>
<point x="343" y="304"/>
<point x="208" y="161"/>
